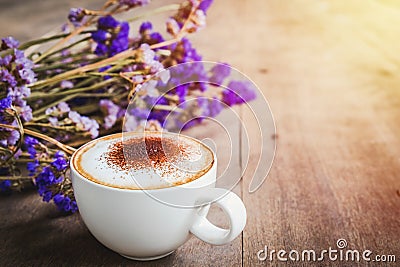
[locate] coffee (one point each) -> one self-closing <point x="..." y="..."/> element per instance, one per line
<point x="148" y="160"/>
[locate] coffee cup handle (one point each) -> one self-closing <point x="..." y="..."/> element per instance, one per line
<point x="232" y="206"/>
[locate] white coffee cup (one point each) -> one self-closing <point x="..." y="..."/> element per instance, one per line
<point x="147" y="224"/>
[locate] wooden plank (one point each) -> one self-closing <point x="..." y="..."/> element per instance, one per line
<point x="333" y="88"/>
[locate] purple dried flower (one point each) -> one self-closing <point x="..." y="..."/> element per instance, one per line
<point x="56" y="112"/>
<point x="64" y="203"/>
<point x="9" y="42"/>
<point x="30" y="141"/>
<point x="202" y="104"/>
<point x="6" y="60"/>
<point x="134" y="3"/>
<point x="59" y="154"/>
<point x="111" y="111"/>
<point x="76" y="16"/>
<point x="9" y="137"/>
<point x="148" y="57"/>
<point x="18" y="94"/>
<point x="123" y="30"/>
<point x="147" y="53"/>
<point x="32" y="167"/>
<point x="21" y="61"/>
<point x="109" y="121"/>
<point x="46" y="177"/>
<point x="65" y="28"/>
<point x="199" y="21"/>
<point x="74" y="116"/>
<point x="100" y="36"/>
<point x="108" y="107"/>
<point x="103" y="69"/>
<point x="15" y="74"/>
<point x="26" y="112"/>
<point x="27" y="75"/>
<point x="84" y="123"/>
<point x="66" y="84"/>
<point x="215" y="107"/>
<point x="173" y="26"/>
<point x="63" y="107"/>
<point x="49" y="176"/>
<point x="219" y="73"/>
<point x="140" y="113"/>
<point x="181" y="91"/>
<point x="148" y="88"/>
<point x="60" y="163"/>
<point x="94" y="130"/>
<point x="158" y="115"/>
<point x="185" y="52"/>
<point x="111" y="36"/>
<point x="145" y="26"/>
<point x="210" y="107"/>
<point x="118" y="45"/>
<point x="5" y="185"/>
<point x="47" y="195"/>
<point x="7" y="77"/>
<point x="13" y="138"/>
<point x="31" y="144"/>
<point x="58" y="198"/>
<point x="87" y="123"/>
<point x="156" y="37"/>
<point x="205" y="5"/>
<point x="130" y="123"/>
<point x="73" y="206"/>
<point x="50" y="110"/>
<point x="238" y="92"/>
<point x="101" y="49"/>
<point x="5" y="103"/>
<point x="107" y="23"/>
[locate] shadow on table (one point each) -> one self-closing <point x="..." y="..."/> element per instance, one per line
<point x="36" y="233"/>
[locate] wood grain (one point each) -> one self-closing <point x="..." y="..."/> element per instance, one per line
<point x="331" y="73"/>
<point x="333" y="84"/>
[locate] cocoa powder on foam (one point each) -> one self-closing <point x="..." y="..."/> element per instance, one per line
<point x="144" y="152"/>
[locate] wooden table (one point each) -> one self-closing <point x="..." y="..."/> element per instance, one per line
<point x="331" y="73"/>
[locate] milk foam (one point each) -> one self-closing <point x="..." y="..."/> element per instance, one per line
<point x="192" y="160"/>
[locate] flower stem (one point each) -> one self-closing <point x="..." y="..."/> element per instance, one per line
<point x="62" y="65"/>
<point x="95" y="86"/>
<point x="54" y="103"/>
<point x="65" y="148"/>
<point x="92" y="79"/>
<point x="172" y="7"/>
<point x="168" y="108"/>
<point x="15" y="178"/>
<point x="81" y="72"/>
<point x="33" y="160"/>
<point x="48" y="125"/>
<point x="69" y="46"/>
<point x="45" y="40"/>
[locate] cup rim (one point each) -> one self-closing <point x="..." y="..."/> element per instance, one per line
<point x="115" y="135"/>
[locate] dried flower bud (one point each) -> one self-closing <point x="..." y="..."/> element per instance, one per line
<point x="172" y="27"/>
